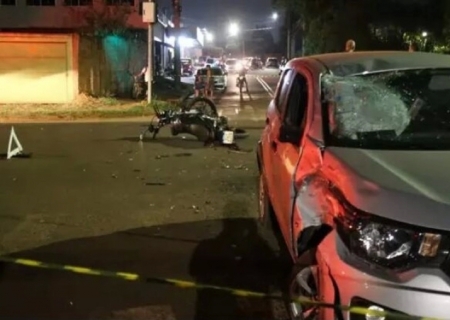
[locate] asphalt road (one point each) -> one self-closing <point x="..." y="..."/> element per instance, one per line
<point x="252" y="105"/>
<point x="92" y="195"/>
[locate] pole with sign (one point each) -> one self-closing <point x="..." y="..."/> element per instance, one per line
<point x="149" y="16"/>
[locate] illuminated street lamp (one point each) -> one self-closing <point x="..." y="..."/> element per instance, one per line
<point x="233" y="29"/>
<point x="424" y="34"/>
<point x="274" y="16"/>
<point x="209" y="37"/>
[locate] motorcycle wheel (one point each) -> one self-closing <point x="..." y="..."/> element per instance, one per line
<point x="240" y="133"/>
<point x="203" y="105"/>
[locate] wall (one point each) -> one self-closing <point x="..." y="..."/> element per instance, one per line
<point x="58" y="16"/>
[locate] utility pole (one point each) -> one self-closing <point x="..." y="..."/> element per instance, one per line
<point x="289" y="36"/>
<point x="177" y="56"/>
<point x="149" y="16"/>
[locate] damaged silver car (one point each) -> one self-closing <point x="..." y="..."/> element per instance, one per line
<point x="353" y="169"/>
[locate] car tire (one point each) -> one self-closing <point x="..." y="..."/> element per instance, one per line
<point x="208" y="106"/>
<point x="266" y="215"/>
<point x="305" y="270"/>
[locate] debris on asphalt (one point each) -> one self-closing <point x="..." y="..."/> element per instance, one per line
<point x="184" y="154"/>
<point x="155" y="184"/>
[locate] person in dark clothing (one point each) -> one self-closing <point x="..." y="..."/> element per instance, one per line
<point x="199" y="86"/>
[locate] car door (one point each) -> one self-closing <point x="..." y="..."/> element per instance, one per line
<point x="270" y="134"/>
<point x="287" y="155"/>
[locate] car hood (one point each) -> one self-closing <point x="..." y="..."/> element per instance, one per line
<point x="407" y="186"/>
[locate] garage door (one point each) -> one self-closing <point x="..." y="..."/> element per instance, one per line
<point x="36" y="69"/>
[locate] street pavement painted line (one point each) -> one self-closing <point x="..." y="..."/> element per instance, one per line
<point x="265" y="86"/>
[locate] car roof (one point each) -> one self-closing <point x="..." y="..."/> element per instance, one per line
<point x="344" y="63"/>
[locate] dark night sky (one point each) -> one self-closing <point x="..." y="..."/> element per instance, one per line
<point x="215" y="14"/>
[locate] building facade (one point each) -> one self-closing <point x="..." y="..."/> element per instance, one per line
<point x="55" y="49"/>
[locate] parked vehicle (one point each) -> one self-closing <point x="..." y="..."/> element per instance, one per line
<point x="272" y="63"/>
<point x="187" y="67"/>
<point x="353" y="170"/>
<point x="231" y="65"/>
<point x="256" y="64"/>
<point x="220" y="77"/>
<point x="212" y="62"/>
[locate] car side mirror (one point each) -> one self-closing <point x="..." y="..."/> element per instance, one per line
<point x="290" y="134"/>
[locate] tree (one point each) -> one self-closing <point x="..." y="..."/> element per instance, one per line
<point x="106" y="48"/>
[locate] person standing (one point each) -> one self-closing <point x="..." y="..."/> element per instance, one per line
<point x="412" y="47"/>
<point x="209" y="86"/>
<point x="199" y="86"/>
<point x="350" y="45"/>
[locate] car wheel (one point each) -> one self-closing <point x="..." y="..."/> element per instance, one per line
<point x="302" y="284"/>
<point x="266" y="214"/>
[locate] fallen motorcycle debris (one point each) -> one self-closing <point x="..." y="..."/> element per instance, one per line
<point x="193" y="119"/>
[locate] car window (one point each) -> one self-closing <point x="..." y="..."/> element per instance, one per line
<point x="283" y="89"/>
<point x="297" y="102"/>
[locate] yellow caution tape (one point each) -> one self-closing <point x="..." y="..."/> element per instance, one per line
<point x="199" y="286"/>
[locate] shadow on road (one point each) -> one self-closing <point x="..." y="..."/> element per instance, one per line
<point x="239" y="258"/>
<point x="227" y="252"/>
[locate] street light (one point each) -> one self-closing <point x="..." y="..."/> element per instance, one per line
<point x="233" y="29"/>
<point x="209" y="37"/>
<point x="275" y="16"/>
<point x="424" y="34"/>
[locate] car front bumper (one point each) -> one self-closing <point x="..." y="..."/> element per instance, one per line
<point x="418" y="292"/>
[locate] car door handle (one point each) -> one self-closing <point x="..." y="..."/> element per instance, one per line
<point x="274" y="145"/>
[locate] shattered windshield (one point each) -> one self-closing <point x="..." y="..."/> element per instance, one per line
<point x="404" y="109"/>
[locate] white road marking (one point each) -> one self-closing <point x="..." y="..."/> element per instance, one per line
<point x="265" y="86"/>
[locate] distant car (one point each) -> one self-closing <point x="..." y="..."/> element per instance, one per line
<point x="220" y="77"/>
<point x="231" y="65"/>
<point x="212" y="62"/>
<point x="272" y="63"/>
<point x="247" y="61"/>
<point x="256" y="63"/>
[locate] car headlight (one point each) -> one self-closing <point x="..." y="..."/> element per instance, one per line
<point x="387" y="243"/>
